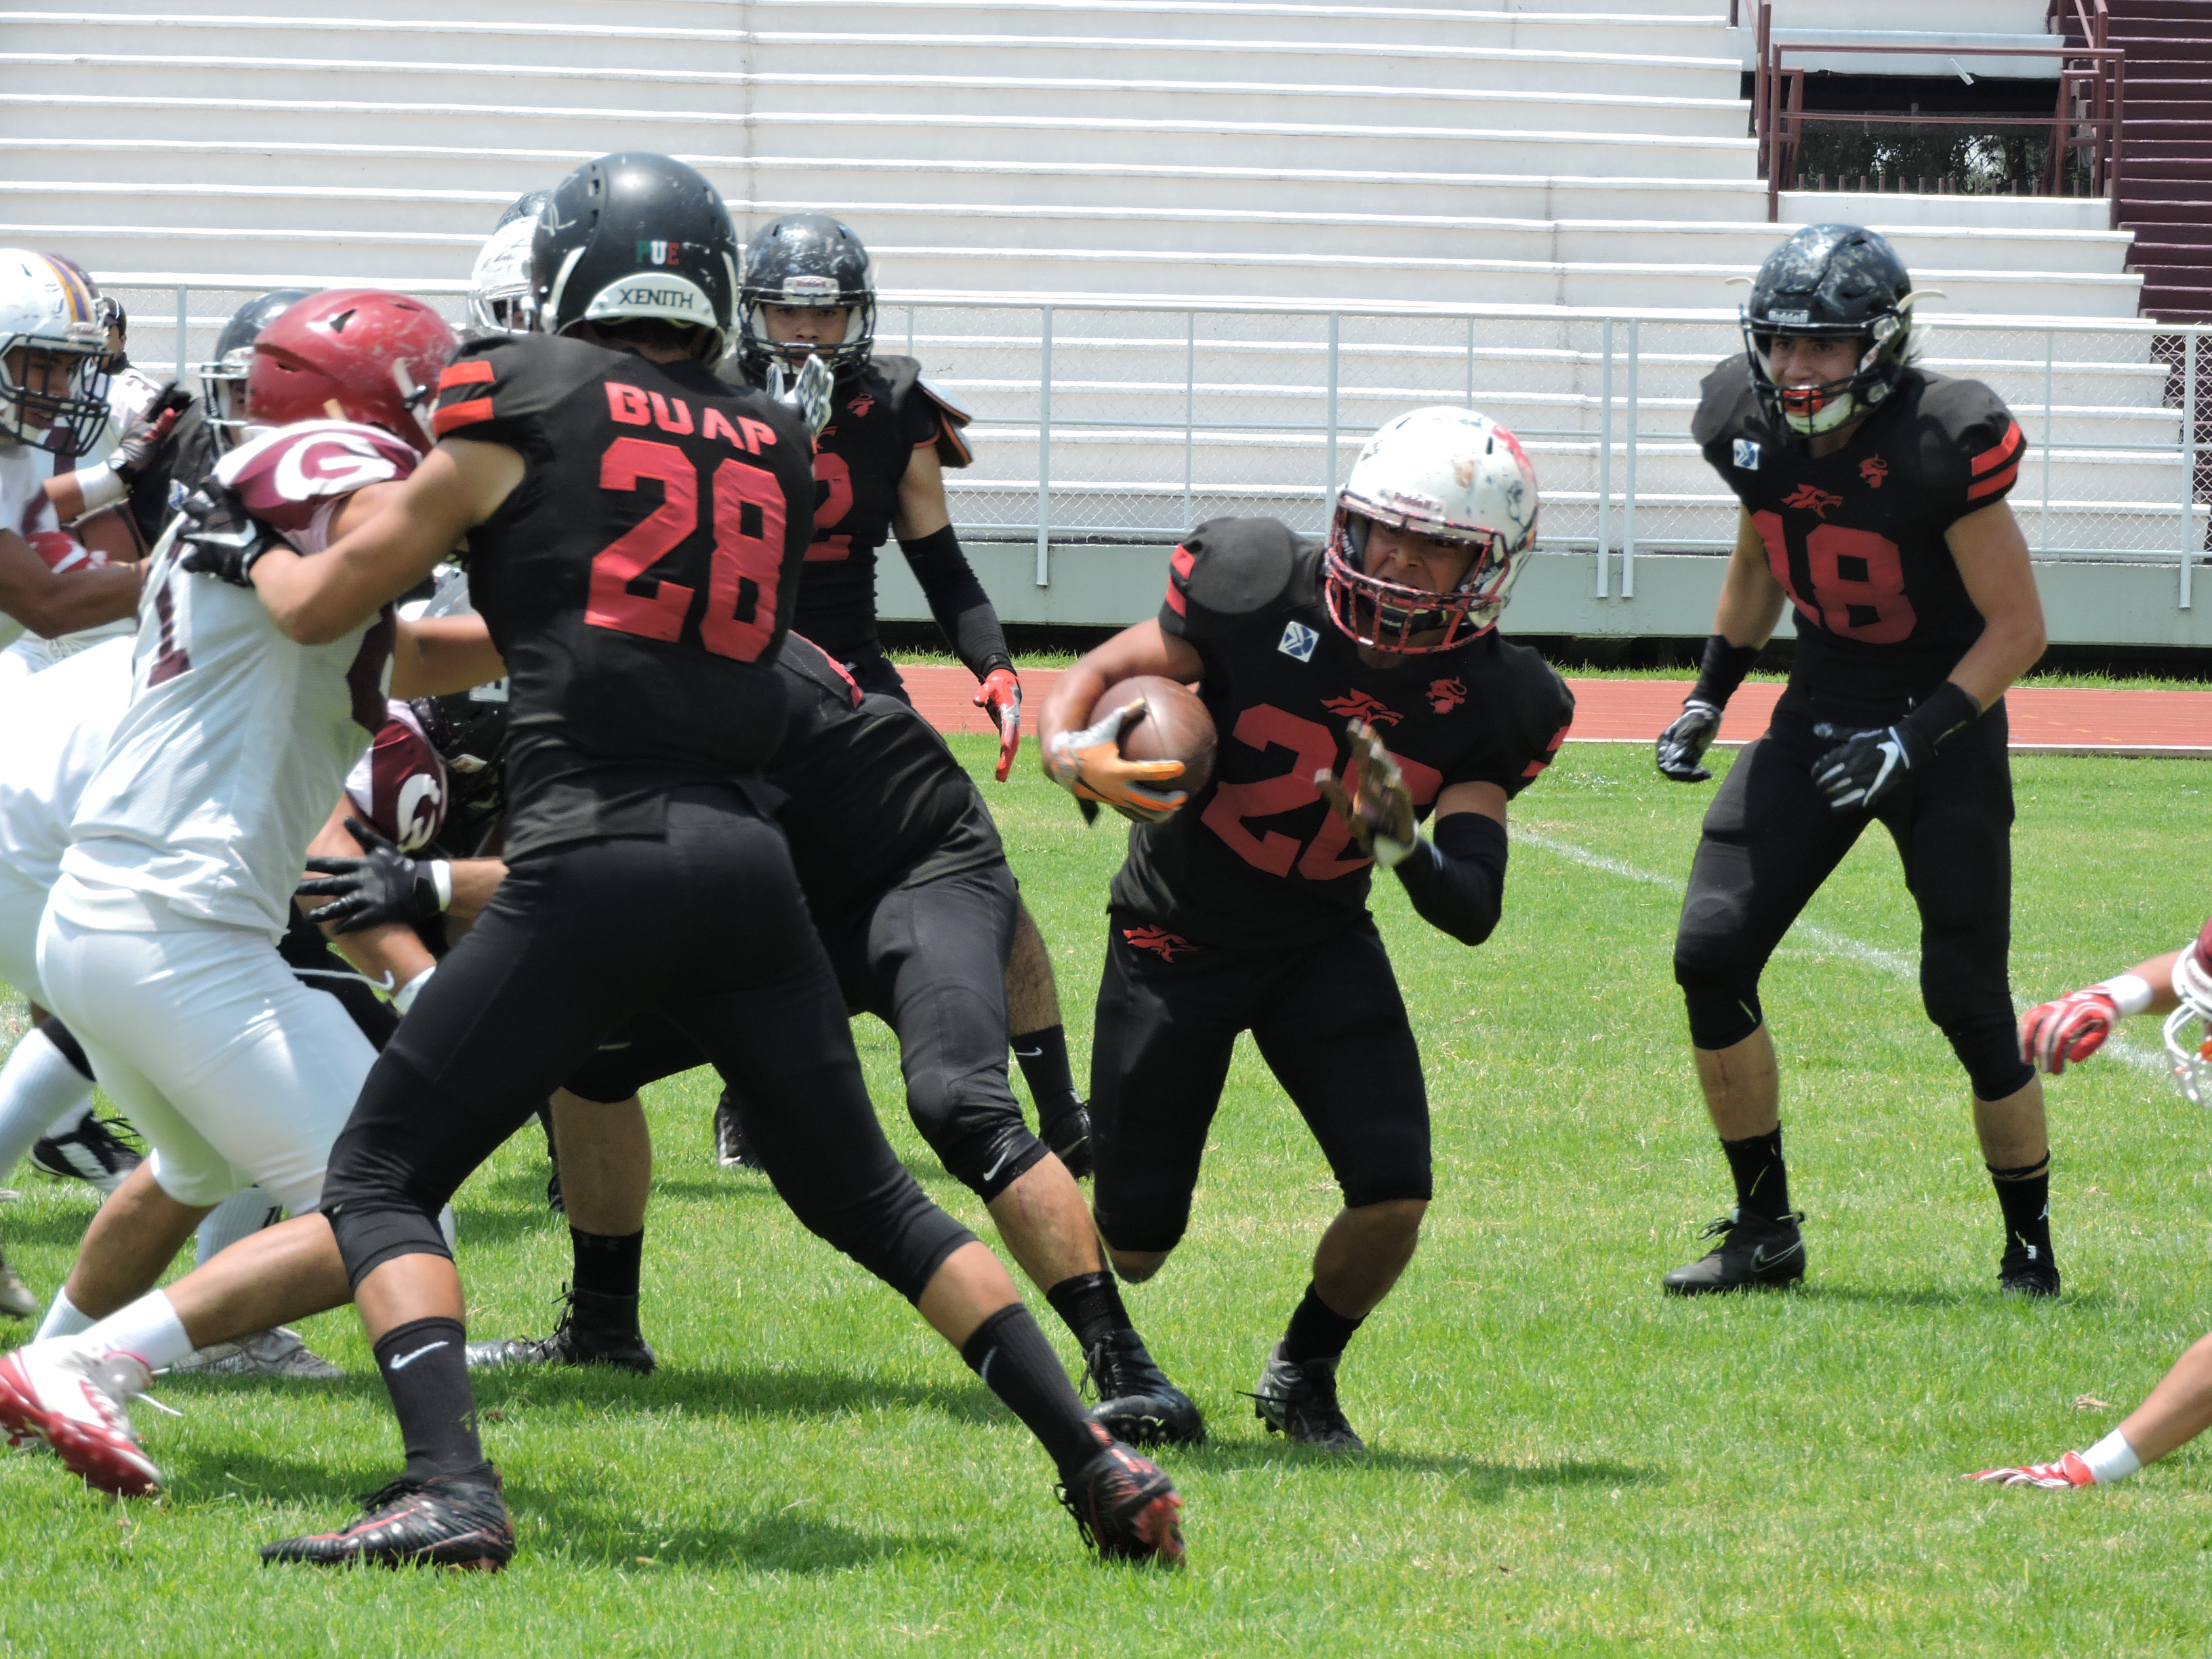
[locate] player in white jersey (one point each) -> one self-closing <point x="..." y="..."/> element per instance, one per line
<point x="192" y="834"/>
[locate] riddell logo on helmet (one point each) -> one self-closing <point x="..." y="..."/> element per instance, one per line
<point x="1813" y="499"/>
<point x="1444" y="695"/>
<point x="1361" y="706"/>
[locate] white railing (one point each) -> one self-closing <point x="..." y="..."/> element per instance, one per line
<point x="1126" y="423"/>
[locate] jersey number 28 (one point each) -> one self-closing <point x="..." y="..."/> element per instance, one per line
<point x="748" y="557"/>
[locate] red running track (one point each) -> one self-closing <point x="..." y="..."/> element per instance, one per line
<point x="2048" y="720"/>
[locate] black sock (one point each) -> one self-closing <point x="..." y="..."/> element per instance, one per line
<point x="607" y="1263"/>
<point x="1091" y="1306"/>
<point x="425" y="1368"/>
<point x="1009" y="1352"/>
<point x="2024" y="1195"/>
<point x="1318" y="1331"/>
<point x="1762" y="1180"/>
<point x="1043" y="1056"/>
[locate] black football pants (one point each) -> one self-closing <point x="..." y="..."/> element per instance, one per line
<point x="706" y="927"/>
<point x="928" y="958"/>
<point x="1328" y="1019"/>
<point x="1771" y="839"/>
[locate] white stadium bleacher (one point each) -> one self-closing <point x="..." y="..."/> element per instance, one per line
<point x="1190" y="187"/>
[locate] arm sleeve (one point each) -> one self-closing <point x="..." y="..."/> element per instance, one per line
<point x="957" y="600"/>
<point x="1457" y="880"/>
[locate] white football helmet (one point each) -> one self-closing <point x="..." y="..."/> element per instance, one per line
<point x="2192" y="1058"/>
<point x="1448" y="473"/>
<point x="53" y="338"/>
<point x="500" y="293"/>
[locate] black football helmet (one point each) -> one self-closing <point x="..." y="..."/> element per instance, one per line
<point x="806" y="259"/>
<point x="223" y="377"/>
<point x="1830" y="281"/>
<point x="635" y="236"/>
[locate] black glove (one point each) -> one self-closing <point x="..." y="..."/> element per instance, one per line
<point x="1682" y="745"/>
<point x="143" y="438"/>
<point x="384" y="886"/>
<point x="222" y="538"/>
<point x="1865" y="765"/>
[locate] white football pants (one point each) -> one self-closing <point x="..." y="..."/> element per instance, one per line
<point x="234" y="1071"/>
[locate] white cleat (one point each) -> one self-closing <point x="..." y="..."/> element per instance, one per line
<point x="282" y="1353"/>
<point x="15" y="1298"/>
<point x="79" y="1404"/>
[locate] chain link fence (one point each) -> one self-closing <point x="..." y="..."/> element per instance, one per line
<point x="1127" y="423"/>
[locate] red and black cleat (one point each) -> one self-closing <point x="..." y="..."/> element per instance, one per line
<point x="449" y="1521"/>
<point x="1126" y="1507"/>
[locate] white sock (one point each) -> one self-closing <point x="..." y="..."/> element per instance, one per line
<point x="37" y="1086"/>
<point x="2112" y="1459"/>
<point x="149" y="1327"/>
<point x="65" y="1318"/>
<point x="241" y="1215"/>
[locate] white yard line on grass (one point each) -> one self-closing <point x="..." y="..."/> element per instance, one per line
<point x="1871" y="956"/>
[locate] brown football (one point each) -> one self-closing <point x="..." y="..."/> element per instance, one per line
<point x="1174" y="726"/>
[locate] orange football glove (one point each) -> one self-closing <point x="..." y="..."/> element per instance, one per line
<point x="1372" y="798"/>
<point x="1089" y="765"/>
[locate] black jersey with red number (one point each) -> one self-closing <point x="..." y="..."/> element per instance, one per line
<point x="879" y="415"/>
<point x="875" y="796"/>
<point x="1857" y="536"/>
<point x="639" y="580"/>
<point x="1257" y="860"/>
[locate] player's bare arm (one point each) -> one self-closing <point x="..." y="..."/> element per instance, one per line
<point x="459" y="484"/>
<point x="51" y="603"/>
<point x="1143" y="649"/>
<point x="390" y="953"/>
<point x="432" y="656"/>
<point x="922" y="510"/>
<point x="1993" y="563"/>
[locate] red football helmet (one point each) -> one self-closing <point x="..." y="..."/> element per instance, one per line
<point x="352" y="354"/>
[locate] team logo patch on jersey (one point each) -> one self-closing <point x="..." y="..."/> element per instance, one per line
<point x="860" y="406"/>
<point x="1874" y="469"/>
<point x="1444" y="695"/>
<point x="1813" y="499"/>
<point x="1298" y="641"/>
<point x="1747" y="455"/>
<point x="1360" y="706"/>
<point x="1159" y="940"/>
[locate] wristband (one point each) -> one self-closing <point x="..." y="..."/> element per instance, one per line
<point x="403" y="998"/>
<point x="442" y="877"/>
<point x="1721" y="671"/>
<point x="2130" y="993"/>
<point x="1944" y="713"/>
<point x="99" y="486"/>
<point x="2112" y="1459"/>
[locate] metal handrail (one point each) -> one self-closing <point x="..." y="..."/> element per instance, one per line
<point x="1779" y="125"/>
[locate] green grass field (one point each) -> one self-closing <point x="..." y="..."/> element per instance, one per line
<point x="1563" y="1461"/>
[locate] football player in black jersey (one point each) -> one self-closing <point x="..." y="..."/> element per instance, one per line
<point x="808" y="292"/>
<point x="1356" y="689"/>
<point x="906" y="881"/>
<point x="634" y="527"/>
<point x="1872" y="500"/>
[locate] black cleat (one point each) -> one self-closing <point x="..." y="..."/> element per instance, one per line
<point x="1069" y="1137"/>
<point x="92" y="1151"/>
<point x="731" y="1150"/>
<point x="1298" y="1401"/>
<point x="2026" y="1271"/>
<point x="1136" y="1402"/>
<point x="1126" y="1507"/>
<point x="594" y="1330"/>
<point x="449" y="1521"/>
<point x="1752" y="1251"/>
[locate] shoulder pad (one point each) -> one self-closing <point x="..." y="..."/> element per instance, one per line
<point x="492" y="383"/>
<point x="1228" y="571"/>
<point x="283" y="477"/>
<point x="814" y="672"/>
<point x="1967" y="445"/>
<point x="912" y="397"/>
<point x="1546" y="706"/>
<point x="1725" y="403"/>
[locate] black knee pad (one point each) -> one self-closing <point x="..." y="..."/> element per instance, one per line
<point x="1723" y="1006"/>
<point x="1977" y="1018"/>
<point x="983" y="1141"/>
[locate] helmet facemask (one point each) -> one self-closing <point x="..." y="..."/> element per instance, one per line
<point x="851" y="351"/>
<point x="1389" y="615"/>
<point x="34" y="414"/>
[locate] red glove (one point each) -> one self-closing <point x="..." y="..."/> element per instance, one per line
<point x="149" y="432"/>
<point x="2073" y="1028"/>
<point x="1001" y="694"/>
<point x="2066" y="1474"/>
<point x="63" y="551"/>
